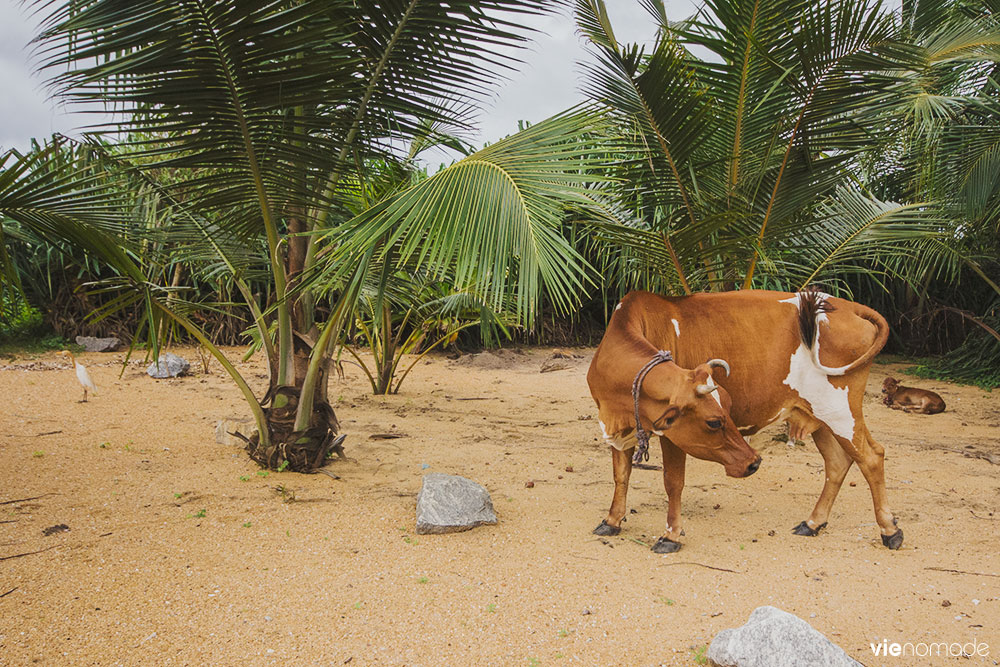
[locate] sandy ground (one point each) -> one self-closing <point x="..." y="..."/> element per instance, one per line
<point x="179" y="551"/>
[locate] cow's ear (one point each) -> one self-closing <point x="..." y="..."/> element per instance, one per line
<point x="668" y="418"/>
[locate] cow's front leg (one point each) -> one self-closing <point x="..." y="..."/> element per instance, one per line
<point x="622" y="461"/>
<point x="674" y="460"/>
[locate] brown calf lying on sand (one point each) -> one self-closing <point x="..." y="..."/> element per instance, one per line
<point x="911" y="399"/>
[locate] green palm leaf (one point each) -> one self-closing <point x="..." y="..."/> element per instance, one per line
<point x="851" y="232"/>
<point x="492" y="217"/>
<point x="59" y="199"/>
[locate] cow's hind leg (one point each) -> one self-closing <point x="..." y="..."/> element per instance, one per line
<point x="622" y="461"/>
<point x="871" y="457"/>
<point x="836" y="464"/>
<point x="673" y="482"/>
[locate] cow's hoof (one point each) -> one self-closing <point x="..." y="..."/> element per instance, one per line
<point x="666" y="546"/>
<point x="607" y="529"/>
<point x="804" y="529"/>
<point x="894" y="541"/>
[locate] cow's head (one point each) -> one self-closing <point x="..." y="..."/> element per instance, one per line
<point x="692" y="411"/>
<point x="889" y="388"/>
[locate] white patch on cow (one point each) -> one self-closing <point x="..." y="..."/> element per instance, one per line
<point x="677" y="327"/>
<point x="715" y="394"/>
<point x="619" y="442"/>
<point x="657" y="432"/>
<point x="619" y="306"/>
<point x="829" y="403"/>
<point x="623" y="442"/>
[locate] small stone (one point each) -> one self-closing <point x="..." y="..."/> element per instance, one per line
<point x="771" y="533"/>
<point x="224" y="429"/>
<point x="569" y="468"/>
<point x="62" y="528"/>
<point x="945" y="603"/>
<point x="92" y="344"/>
<point x="450" y="504"/>
<point x="854" y="484"/>
<point x="555" y="364"/>
<point x="529" y="484"/>
<point x="169" y="365"/>
<point x="716" y="506"/>
<point x="586" y="612"/>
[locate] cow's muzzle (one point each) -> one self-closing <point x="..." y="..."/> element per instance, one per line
<point x="752" y="468"/>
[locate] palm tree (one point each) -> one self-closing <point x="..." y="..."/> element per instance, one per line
<point x="751" y="125"/>
<point x="269" y="117"/>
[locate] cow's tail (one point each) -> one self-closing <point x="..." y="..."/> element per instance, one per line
<point x="812" y="306"/>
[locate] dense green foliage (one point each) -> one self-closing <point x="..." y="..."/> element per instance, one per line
<point x="262" y="180"/>
<point x="976" y="361"/>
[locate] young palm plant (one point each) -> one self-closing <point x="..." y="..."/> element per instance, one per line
<point x="412" y="316"/>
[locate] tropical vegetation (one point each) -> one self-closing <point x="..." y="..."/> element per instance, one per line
<point x="261" y="173"/>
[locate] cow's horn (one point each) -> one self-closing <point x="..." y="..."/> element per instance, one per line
<point x="719" y="363"/>
<point x="705" y="389"/>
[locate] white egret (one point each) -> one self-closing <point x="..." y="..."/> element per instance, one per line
<point x="82" y="375"/>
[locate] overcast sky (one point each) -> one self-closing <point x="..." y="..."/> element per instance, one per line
<point x="547" y="82"/>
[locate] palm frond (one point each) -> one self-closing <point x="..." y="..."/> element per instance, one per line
<point x="60" y="200"/>
<point x="494" y="217"/>
<point x="852" y="232"/>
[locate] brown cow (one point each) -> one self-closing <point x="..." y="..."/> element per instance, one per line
<point x="911" y="399"/>
<point x="802" y="358"/>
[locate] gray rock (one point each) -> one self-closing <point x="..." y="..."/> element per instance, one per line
<point x="168" y="366"/>
<point x="224" y="429"/>
<point x="774" y="637"/>
<point x="91" y="344"/>
<point x="451" y="504"/>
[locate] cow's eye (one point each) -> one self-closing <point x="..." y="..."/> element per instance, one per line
<point x="714" y="424"/>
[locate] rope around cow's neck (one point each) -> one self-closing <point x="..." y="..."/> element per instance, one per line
<point x="642" y="451"/>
